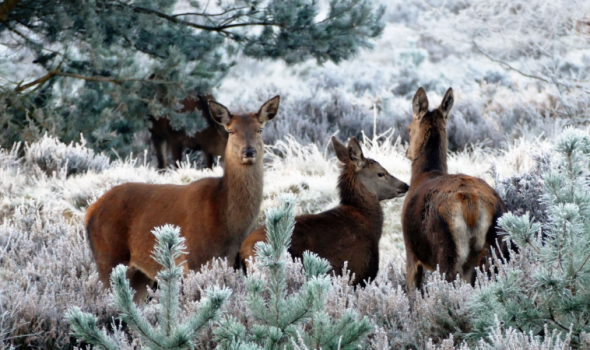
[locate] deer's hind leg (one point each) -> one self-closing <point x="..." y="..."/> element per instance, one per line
<point x="160" y="146"/>
<point x="452" y="247"/>
<point x="139" y="282"/>
<point x="468" y="268"/>
<point x="177" y="148"/>
<point x="478" y="243"/>
<point x="208" y="159"/>
<point x="414" y="272"/>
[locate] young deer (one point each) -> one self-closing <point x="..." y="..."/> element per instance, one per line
<point x="211" y="140"/>
<point x="447" y="220"/>
<point x="351" y="231"/>
<point x="214" y="214"/>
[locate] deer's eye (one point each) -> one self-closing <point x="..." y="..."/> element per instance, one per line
<point x="381" y="174"/>
<point x="260" y="130"/>
<point x="231" y="132"/>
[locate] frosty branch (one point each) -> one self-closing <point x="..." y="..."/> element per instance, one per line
<point x="508" y="66"/>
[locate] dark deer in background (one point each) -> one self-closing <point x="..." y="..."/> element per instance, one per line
<point x="351" y="231"/>
<point x="447" y="220"/>
<point x="211" y="140"/>
<point x="215" y="214"/>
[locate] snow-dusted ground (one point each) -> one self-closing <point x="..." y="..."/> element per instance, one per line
<point x="305" y="170"/>
<point x="47" y="266"/>
<point x="501" y="120"/>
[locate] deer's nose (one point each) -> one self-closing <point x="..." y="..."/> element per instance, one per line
<point x="249" y="152"/>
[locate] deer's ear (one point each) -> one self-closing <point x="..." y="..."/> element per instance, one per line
<point x="340" y="150"/>
<point x="219" y="113"/>
<point x="420" y="104"/>
<point x="355" y="153"/>
<point x="447" y="103"/>
<point x="269" y="109"/>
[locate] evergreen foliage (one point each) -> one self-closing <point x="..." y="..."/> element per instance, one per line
<point x="169" y="333"/>
<point x="283" y="318"/>
<point x="545" y="288"/>
<point x="109" y="64"/>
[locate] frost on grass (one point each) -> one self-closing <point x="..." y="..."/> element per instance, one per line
<point x="46" y="266"/>
<point x="52" y="156"/>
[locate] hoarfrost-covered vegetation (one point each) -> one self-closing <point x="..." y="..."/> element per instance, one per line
<point x="47" y="266"/>
<point x="519" y="70"/>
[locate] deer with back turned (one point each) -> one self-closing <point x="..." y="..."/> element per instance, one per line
<point x="448" y="220"/>
<point x="211" y="140"/>
<point x="350" y="232"/>
<point x="214" y="214"/>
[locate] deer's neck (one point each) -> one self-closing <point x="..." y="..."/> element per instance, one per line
<point x="353" y="193"/>
<point x="432" y="154"/>
<point x="241" y="189"/>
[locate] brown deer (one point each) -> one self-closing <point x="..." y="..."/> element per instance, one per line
<point x="351" y="231"/>
<point x="215" y="214"/>
<point x="447" y="220"/>
<point x="211" y="140"/>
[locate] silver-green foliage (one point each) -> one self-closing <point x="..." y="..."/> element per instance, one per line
<point x="548" y="283"/>
<point x="283" y="318"/>
<point x="169" y="333"/>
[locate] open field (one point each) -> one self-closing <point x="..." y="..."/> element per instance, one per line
<point x="520" y="72"/>
<point x="47" y="266"/>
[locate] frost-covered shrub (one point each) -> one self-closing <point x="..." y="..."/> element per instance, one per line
<point x="9" y="157"/>
<point x="314" y="118"/>
<point x="469" y="126"/>
<point x="51" y="155"/>
<point x="404" y="323"/>
<point x="45" y="267"/>
<point x="510" y="339"/>
<point x="542" y="44"/>
<point x="522" y="193"/>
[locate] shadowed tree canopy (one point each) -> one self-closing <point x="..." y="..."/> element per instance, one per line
<point x="106" y="65"/>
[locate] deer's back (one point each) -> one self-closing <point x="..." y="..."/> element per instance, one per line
<point x="338" y="235"/>
<point x="208" y="140"/>
<point x="124" y="217"/>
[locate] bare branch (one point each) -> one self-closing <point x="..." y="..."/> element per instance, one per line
<point x="221" y="29"/>
<point x="507" y="66"/>
<point x="203" y="14"/>
<point x="57" y="73"/>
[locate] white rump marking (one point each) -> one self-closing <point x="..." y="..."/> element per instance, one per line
<point x="462" y="234"/>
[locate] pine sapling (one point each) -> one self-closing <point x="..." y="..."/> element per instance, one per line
<point x="546" y="287"/>
<point x="286" y="320"/>
<point x="169" y="332"/>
